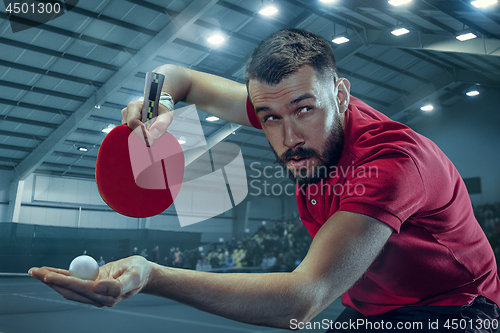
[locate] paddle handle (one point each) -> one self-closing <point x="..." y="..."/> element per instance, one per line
<point x="152" y="91"/>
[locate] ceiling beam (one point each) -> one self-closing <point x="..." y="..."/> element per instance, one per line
<point x="372" y="81"/>
<point x="398" y="108"/>
<point x="57" y="54"/>
<point x="42" y="91"/>
<point x="67" y="33"/>
<point x="470" y="77"/>
<point x="22" y="135"/>
<point x="50" y="73"/>
<point x="417" y="40"/>
<point x="205" y="49"/>
<point x="254" y="15"/>
<point x="110" y="20"/>
<point x="34" y="107"/>
<point x="324" y="13"/>
<point x="184" y="20"/>
<point x="428" y="57"/>
<point x="391" y="67"/>
<point x="17" y="120"/>
<point x="463" y="5"/>
<point x="450" y="9"/>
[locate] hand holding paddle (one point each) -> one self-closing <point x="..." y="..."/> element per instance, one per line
<point x="133" y="172"/>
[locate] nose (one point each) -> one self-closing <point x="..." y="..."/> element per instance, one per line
<point x="292" y="135"/>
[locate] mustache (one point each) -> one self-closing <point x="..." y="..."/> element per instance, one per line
<point x="298" y="152"/>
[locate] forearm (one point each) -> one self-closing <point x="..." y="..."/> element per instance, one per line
<point x="268" y="299"/>
<point x="216" y="95"/>
<point x="178" y="81"/>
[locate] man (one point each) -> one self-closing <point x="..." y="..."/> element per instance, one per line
<point x="393" y="228"/>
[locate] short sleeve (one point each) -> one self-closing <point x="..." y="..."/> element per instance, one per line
<point x="387" y="187"/>
<point x="252" y="116"/>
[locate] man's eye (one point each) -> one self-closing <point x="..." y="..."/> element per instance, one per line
<point x="305" y="109"/>
<point x="270" y="118"/>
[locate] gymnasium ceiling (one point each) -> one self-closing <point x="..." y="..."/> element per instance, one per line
<point x="64" y="81"/>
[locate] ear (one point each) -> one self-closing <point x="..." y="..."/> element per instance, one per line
<point x="343" y="94"/>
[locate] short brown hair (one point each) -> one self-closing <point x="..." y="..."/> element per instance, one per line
<point x="283" y="52"/>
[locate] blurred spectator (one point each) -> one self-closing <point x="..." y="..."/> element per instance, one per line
<point x="233" y="244"/>
<point x="155" y="254"/>
<point x="178" y="258"/>
<point x="101" y="262"/>
<point x="239" y="255"/>
<point x="203" y="266"/>
<point x="169" y="258"/>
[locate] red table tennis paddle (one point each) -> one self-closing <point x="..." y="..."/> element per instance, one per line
<point x="136" y="179"/>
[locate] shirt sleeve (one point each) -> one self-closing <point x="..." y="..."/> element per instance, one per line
<point x="252" y="116"/>
<point x="388" y="187"/>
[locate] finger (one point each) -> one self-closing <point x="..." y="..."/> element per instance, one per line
<point x="120" y="286"/>
<point x="67" y="281"/>
<point x="36" y="273"/>
<point x="87" y="298"/>
<point x="41" y="273"/>
<point x="57" y="270"/>
<point x="127" y="277"/>
<point x="72" y="296"/>
<point x="133" y="114"/>
<point x="142" y="133"/>
<point x="162" y="122"/>
<point x="124" y="115"/>
<point x="78" y="290"/>
<point x="130" y="281"/>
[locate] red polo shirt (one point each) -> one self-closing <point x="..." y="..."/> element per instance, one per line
<point x="438" y="254"/>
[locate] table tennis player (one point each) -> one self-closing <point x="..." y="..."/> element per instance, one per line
<point x="393" y="229"/>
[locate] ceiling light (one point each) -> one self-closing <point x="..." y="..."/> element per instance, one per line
<point x="212" y="118"/>
<point x="216" y="39"/>
<point x="268" y="10"/>
<point x="340" y="39"/>
<point x="108" y="129"/>
<point x="182" y="140"/>
<point x="400" y="31"/>
<point x="472" y="93"/>
<point x="483" y="3"/>
<point x="398" y="2"/>
<point x="84" y="149"/>
<point x="427" y="108"/>
<point x="326" y="1"/>
<point x="466" y="36"/>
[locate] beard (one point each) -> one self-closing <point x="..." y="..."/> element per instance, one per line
<point x="328" y="158"/>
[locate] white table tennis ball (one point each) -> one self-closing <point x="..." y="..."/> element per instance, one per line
<point x="84" y="267"/>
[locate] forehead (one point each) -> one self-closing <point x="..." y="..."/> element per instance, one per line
<point x="303" y="80"/>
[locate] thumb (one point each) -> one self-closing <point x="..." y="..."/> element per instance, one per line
<point x="126" y="283"/>
<point x="161" y="123"/>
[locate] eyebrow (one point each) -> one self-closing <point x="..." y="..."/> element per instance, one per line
<point x="294" y="102"/>
<point x="262" y="108"/>
<point x="301" y="98"/>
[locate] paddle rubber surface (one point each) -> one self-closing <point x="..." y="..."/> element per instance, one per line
<point x="134" y="179"/>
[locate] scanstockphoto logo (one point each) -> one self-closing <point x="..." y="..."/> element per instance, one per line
<point x="27" y="14"/>
<point x="268" y="181"/>
<point x="212" y="179"/>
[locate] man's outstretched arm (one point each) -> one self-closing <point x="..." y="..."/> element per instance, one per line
<point x="216" y="95"/>
<point x="341" y="251"/>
